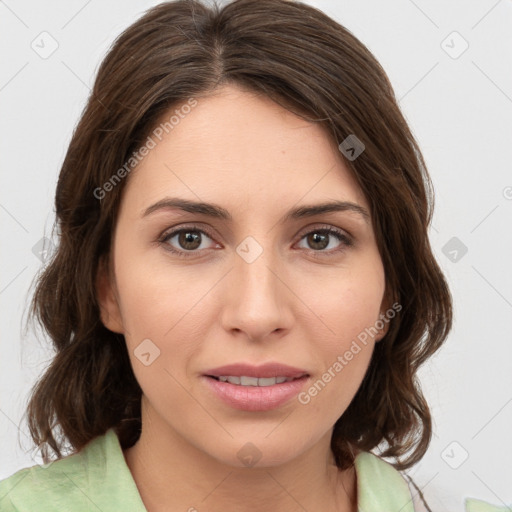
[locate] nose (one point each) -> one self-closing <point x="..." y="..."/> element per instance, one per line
<point x="256" y="298"/>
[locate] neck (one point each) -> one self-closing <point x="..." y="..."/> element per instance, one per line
<point x="173" y="475"/>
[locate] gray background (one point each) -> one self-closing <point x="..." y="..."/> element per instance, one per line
<point x="459" y="105"/>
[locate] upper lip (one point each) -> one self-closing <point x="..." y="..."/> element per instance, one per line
<point x="265" y="370"/>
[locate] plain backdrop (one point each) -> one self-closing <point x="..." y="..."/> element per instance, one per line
<point x="451" y="67"/>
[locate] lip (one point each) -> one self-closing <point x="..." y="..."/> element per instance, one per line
<point x="255" y="398"/>
<point x="272" y="369"/>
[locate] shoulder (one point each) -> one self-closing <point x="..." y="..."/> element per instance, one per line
<point x="475" y="505"/>
<point x="95" y="476"/>
<point x="35" y="487"/>
<point x="381" y="488"/>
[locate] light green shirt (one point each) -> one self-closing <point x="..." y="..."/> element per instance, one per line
<point x="98" y="479"/>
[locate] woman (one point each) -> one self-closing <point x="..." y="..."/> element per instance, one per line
<point x="244" y="289"/>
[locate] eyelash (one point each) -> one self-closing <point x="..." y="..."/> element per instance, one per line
<point x="329" y="230"/>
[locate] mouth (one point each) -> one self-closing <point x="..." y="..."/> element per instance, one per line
<point x="248" y="387"/>
<point x="247" y="374"/>
<point x="244" y="380"/>
<point x="252" y="394"/>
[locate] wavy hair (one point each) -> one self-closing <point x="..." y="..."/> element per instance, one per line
<point x="308" y="63"/>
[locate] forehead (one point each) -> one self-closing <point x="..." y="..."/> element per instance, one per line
<point x="241" y="149"/>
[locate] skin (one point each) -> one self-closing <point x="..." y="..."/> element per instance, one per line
<point x="243" y="152"/>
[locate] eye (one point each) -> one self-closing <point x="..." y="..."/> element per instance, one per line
<point x="187" y="240"/>
<point x="320" y="239"/>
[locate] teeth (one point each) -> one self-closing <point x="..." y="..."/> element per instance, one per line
<point x="254" y="381"/>
<point x="248" y="381"/>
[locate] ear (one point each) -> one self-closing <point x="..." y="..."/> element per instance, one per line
<point x="383" y="320"/>
<point x="384" y="330"/>
<point x="110" y="312"/>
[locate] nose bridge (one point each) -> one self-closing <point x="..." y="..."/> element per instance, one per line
<point x="257" y="296"/>
<point x="255" y="269"/>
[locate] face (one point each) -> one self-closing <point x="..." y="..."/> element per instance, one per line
<point x="253" y="284"/>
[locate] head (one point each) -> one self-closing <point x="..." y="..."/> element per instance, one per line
<point x="250" y="112"/>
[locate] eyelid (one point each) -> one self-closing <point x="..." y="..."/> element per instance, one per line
<point x="328" y="227"/>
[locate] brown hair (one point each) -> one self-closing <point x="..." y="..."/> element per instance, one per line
<point x="299" y="57"/>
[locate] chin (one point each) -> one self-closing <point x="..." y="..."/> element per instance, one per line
<point x="259" y="453"/>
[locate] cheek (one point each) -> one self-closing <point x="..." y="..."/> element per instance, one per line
<point x="156" y="296"/>
<point x="346" y="303"/>
<point x="168" y="306"/>
<point x="161" y="328"/>
<point x="346" y="309"/>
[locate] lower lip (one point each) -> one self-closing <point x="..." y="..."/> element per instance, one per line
<point x="256" y="398"/>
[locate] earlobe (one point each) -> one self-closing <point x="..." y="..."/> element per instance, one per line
<point x="383" y="321"/>
<point x="109" y="307"/>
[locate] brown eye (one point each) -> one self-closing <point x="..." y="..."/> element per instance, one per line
<point x="189" y="240"/>
<point x="319" y="240"/>
<point x="186" y="240"/>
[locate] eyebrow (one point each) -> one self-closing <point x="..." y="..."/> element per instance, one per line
<point x="217" y="212"/>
